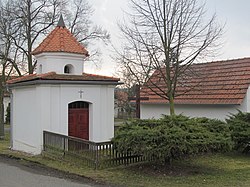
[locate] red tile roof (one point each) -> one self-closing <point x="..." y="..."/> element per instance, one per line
<point x="54" y="76"/>
<point x="60" y="40"/>
<point x="221" y="82"/>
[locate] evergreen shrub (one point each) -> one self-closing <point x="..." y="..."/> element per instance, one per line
<point x="172" y="137"/>
<point x="240" y="131"/>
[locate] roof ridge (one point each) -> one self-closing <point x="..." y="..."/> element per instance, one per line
<point x="219" y="61"/>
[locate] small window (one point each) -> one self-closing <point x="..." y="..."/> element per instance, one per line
<point x="68" y="69"/>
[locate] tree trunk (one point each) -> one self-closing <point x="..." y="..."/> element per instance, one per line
<point x="29" y="38"/>
<point x="171" y="105"/>
<point x="30" y="65"/>
<point x="2" y="89"/>
<point x="1" y="108"/>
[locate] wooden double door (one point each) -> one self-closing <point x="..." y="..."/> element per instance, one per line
<point x="78" y="120"/>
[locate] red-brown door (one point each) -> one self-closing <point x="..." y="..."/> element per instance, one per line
<point x="79" y="123"/>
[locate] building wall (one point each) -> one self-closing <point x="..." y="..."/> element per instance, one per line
<point x="47" y="109"/>
<point x="48" y="62"/>
<point x="25" y="125"/>
<point x="210" y="111"/>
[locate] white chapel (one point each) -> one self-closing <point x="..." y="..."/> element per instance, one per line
<point x="60" y="98"/>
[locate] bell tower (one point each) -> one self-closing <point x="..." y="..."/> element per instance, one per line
<point x="60" y="52"/>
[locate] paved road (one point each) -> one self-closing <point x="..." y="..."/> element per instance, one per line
<point x="15" y="174"/>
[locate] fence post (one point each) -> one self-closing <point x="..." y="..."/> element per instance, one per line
<point x="44" y="147"/>
<point x="64" y="146"/>
<point x="96" y="157"/>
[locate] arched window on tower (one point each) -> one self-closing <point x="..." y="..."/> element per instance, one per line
<point x="68" y="69"/>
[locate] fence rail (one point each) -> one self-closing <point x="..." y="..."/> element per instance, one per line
<point x="97" y="155"/>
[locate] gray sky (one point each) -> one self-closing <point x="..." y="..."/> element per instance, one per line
<point x="235" y="13"/>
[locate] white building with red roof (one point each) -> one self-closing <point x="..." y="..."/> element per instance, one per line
<point x="213" y="90"/>
<point x="60" y="98"/>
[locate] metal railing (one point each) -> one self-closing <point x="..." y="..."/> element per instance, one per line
<point x="97" y="155"/>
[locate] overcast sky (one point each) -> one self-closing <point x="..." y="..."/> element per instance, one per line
<point x="235" y="13"/>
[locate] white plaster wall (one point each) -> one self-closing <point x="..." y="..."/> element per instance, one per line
<point x="210" y="111"/>
<point x="6" y="101"/>
<point x="45" y="107"/>
<point x="101" y="114"/>
<point x="25" y="124"/>
<point x="57" y="61"/>
<point x="104" y="127"/>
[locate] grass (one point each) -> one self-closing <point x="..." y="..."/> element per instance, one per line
<point x="5" y="144"/>
<point x="7" y="125"/>
<point x="208" y="170"/>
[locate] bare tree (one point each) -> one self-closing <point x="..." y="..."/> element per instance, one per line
<point x="9" y="54"/>
<point x="78" y="13"/>
<point x="163" y="38"/>
<point x="78" y="19"/>
<point x="128" y="87"/>
<point x="32" y="19"/>
<point x="7" y="57"/>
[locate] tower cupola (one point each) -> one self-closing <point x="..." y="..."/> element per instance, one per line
<point x="60" y="52"/>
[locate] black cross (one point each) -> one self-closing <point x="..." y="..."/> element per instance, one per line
<point x="138" y="99"/>
<point x="81" y="92"/>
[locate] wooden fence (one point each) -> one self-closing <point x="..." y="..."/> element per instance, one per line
<point x="97" y="155"/>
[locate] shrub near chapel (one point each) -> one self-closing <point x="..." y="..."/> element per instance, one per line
<point x="240" y="127"/>
<point x="172" y="137"/>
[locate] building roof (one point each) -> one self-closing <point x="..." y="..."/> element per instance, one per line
<point x="221" y="82"/>
<point x="63" y="77"/>
<point x="61" y="40"/>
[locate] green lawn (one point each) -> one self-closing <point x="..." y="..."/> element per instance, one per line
<point x="210" y="170"/>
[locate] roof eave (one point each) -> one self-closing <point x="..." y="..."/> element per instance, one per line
<point x="82" y="82"/>
<point x="40" y="52"/>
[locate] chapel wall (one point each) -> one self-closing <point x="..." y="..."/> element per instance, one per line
<point x="25" y="126"/>
<point x="54" y="114"/>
